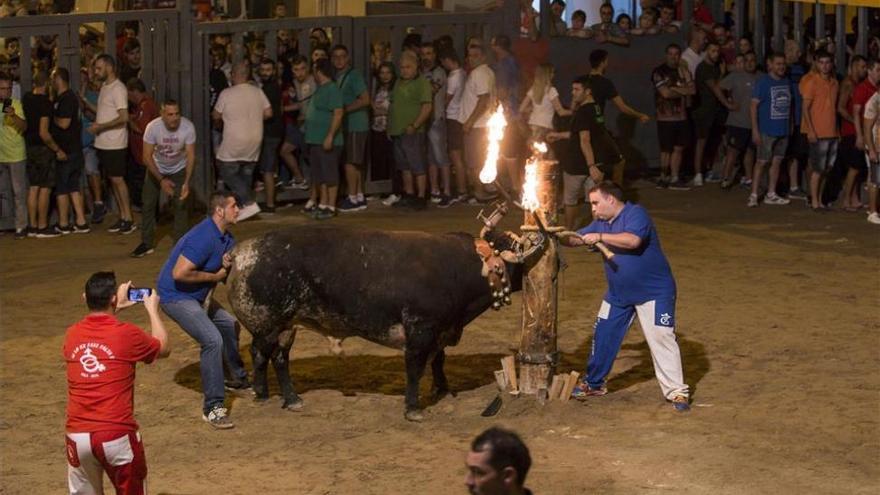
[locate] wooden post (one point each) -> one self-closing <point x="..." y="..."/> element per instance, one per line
<point x="537" y="350"/>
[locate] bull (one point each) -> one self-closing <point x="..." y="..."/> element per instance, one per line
<point x="406" y="290"/>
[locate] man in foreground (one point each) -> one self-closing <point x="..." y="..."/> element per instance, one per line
<point x="497" y="464"/>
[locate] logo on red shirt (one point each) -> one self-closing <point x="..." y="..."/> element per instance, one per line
<point x="91" y="363"/>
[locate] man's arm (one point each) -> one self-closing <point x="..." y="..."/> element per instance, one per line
<point x="362" y="101"/>
<point x="481" y="108"/>
<point x="846" y="91"/>
<point x="335" y="125"/>
<point x="753" y="114"/>
<point x="150" y="162"/>
<point x="870" y="145"/>
<point x="157" y="327"/>
<point x="120" y="121"/>
<point x="46" y="136"/>
<point x="190" y="167"/>
<point x="719" y="94"/>
<point x="589" y="156"/>
<point x="623" y="240"/>
<point x="18" y="123"/>
<point x="624" y="108"/>
<point x="424" y="115"/>
<point x="185" y="271"/>
<point x="811" y="129"/>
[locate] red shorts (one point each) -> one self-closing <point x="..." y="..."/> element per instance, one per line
<point x="118" y="453"/>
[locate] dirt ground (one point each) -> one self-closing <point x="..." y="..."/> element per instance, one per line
<point x="777" y="318"/>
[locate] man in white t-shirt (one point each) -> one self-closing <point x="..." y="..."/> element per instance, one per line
<point x="454" y="135"/>
<point x="111" y="137"/>
<point x="693" y="55"/>
<point x="170" y="157"/>
<point x="477" y="104"/>
<point x="872" y="151"/>
<point x="438" y="156"/>
<point x="242" y="108"/>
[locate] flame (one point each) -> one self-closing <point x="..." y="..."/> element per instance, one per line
<point x="530" y="184"/>
<point x="496" y="125"/>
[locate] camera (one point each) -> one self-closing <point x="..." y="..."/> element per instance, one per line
<point x="138" y="294"/>
<point x="7" y="103"/>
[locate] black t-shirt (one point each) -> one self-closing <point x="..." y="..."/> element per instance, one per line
<point x="127" y="73"/>
<point x="706" y="100"/>
<point x="603" y="90"/>
<point x="70" y="139"/>
<point x="35" y="107"/>
<point x="589" y="117"/>
<point x="274" y="127"/>
<point x="218" y="82"/>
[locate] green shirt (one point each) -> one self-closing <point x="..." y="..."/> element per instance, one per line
<point x="407" y="99"/>
<point x="319" y="114"/>
<point x="352" y="85"/>
<point x="11" y="142"/>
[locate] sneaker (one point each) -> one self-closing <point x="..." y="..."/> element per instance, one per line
<point x="348" y="206"/>
<point x="745" y="183"/>
<point x="269" y="210"/>
<point x="98" y="213"/>
<point x="218" y="418"/>
<point x="753" y="201"/>
<point x="324" y="213"/>
<point x="64" y="230"/>
<point x="241" y="385"/>
<point x="445" y="201"/>
<point x="362" y="204"/>
<point x="47" y="233"/>
<point x="82" y="229"/>
<point x="583" y="390"/>
<point x="403" y="202"/>
<point x="141" y="251"/>
<point x="461" y="198"/>
<point x="698" y="180"/>
<point x="773" y="199"/>
<point x="662" y="183"/>
<point x="712" y="178"/>
<point x="31" y="231"/>
<point x="681" y="404"/>
<point x="127" y="227"/>
<point x="310" y="208"/>
<point x="873" y="217"/>
<point x="302" y="184"/>
<point x="391" y="199"/>
<point x="23" y="233"/>
<point x="726" y="185"/>
<point x="248" y="211"/>
<point x="116" y="226"/>
<point x="679" y="185"/>
<point x="797" y="194"/>
<point x="436" y="197"/>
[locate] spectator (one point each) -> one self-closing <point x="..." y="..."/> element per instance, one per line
<point x="438" y="157"/>
<point x="672" y="88"/>
<point x="796" y="155"/>
<point x="740" y="85"/>
<point x="356" y="127"/>
<point x="199" y="260"/>
<point x="871" y="126"/>
<point x="771" y="114"/>
<point x="477" y="104"/>
<point x="66" y="131"/>
<point x="667" y="22"/>
<point x="528" y="20"/>
<point x="41" y="153"/>
<point x="850" y="156"/>
<point x="273" y="132"/>
<point x="101" y="354"/>
<point x="541" y="102"/>
<point x="647" y="26"/>
<point x="607" y="31"/>
<point x="744" y="45"/>
<point x="412" y="43"/>
<point x="379" y="54"/>
<point x="285" y="43"/>
<point x="578" y="25"/>
<point x="410" y="111"/>
<point x="693" y="55"/>
<point x="242" y="108"/>
<point x="702" y="16"/>
<point x="323" y="135"/>
<point x="13" y="155"/>
<point x="131" y="61"/>
<point x="381" y="146"/>
<point x="603" y="90"/>
<point x="513" y="146"/>
<point x="318" y="54"/>
<point x="279" y="11"/>
<point x="88" y="99"/>
<point x="863" y="94"/>
<point x="294" y="102"/>
<point x="820" y="124"/>
<point x="142" y="111"/>
<point x="593" y="155"/>
<point x="498" y="464"/>
<point x="111" y="138"/>
<point x="169" y="154"/>
<point x="728" y="48"/>
<point x="557" y="24"/>
<point x="624" y="21"/>
<point x="318" y="38"/>
<point x="709" y="113"/>
<point x="455" y="82"/>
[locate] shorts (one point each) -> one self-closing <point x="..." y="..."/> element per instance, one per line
<point x="294" y="135"/>
<point x="90" y="156"/>
<point x="849" y="155"/>
<point x="118" y="453"/>
<point x="68" y="174"/>
<point x="437" y="152"/>
<point x="269" y="155"/>
<point x="539" y="134"/>
<point x="356" y="147"/>
<point x="771" y="147"/>
<point x="409" y="152"/>
<point x="574" y="188"/>
<point x="454" y="135"/>
<point x="822" y="154"/>
<point x="475" y="144"/>
<point x="324" y="165"/>
<point x="40" y="166"/>
<point x="113" y="162"/>
<point x="873" y="171"/>
<point x="739" y="138"/>
<point x="514" y="145"/>
<point x="705" y="123"/>
<point x="672" y="134"/>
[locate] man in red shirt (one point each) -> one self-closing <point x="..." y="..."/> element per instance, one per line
<point x="142" y="110"/>
<point x="101" y="353"/>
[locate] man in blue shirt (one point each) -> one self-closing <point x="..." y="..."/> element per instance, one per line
<point x="640" y="283"/>
<point x="198" y="261"/>
<point x="771" y="127"/>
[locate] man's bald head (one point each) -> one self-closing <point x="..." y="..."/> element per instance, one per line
<point x="241" y="72"/>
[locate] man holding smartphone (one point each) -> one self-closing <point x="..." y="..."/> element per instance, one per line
<point x="13" y="158"/>
<point x="101" y="353"/>
<point x="198" y="261"/>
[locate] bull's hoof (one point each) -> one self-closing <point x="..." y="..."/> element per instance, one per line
<point x="414" y="415"/>
<point x="295" y="404"/>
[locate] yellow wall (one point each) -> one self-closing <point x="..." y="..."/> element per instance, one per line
<point x="309" y="8"/>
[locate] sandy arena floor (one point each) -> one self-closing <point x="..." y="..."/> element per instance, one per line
<point x="777" y="318"/>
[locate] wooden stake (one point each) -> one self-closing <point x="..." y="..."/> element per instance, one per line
<point x="509" y="366"/>
<point x="570" y="382"/>
<point x="501" y="380"/>
<point x="556" y="386"/>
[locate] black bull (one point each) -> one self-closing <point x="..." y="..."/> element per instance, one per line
<point x="408" y="290"/>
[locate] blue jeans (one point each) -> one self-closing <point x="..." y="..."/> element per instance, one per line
<point x="214" y="330"/>
<point x="238" y="177"/>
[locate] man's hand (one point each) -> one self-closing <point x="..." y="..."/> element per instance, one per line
<point x="60" y="155"/>
<point x="860" y="143"/>
<point x="328" y="143"/>
<point x="151" y="303"/>
<point x="756" y="137"/>
<point x="590" y="239"/>
<point x="873" y="155"/>
<point x="221" y="274"/>
<point x="812" y="138"/>
<point x="596" y="174"/>
<point x="466" y="127"/>
<point x="227" y="261"/>
<point x="167" y="186"/>
<point x="94" y="129"/>
<point x="10" y="110"/>
<point x="643" y="118"/>
<point x="122" y="301"/>
<point x="410" y="129"/>
<point x="184" y="191"/>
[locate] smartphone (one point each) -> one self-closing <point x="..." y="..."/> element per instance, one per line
<point x="138" y="294"/>
<point x="7" y="103"/>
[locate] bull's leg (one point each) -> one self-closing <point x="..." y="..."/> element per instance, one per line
<point x="261" y="350"/>
<point x="441" y="386"/>
<point x="416" y="358"/>
<point x="281" y="360"/>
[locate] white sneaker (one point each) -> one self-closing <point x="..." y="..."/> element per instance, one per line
<point x="753" y="201"/>
<point x="698" y="180"/>
<point x="248" y="211"/>
<point x="874" y="218"/>
<point x="391" y="199"/>
<point x="773" y="199"/>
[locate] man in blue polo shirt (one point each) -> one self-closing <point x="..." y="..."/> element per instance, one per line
<point x="640" y="283"/>
<point x="198" y="261"/>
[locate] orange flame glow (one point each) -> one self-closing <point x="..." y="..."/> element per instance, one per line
<point x="496" y="126"/>
<point x="530" y="184"/>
